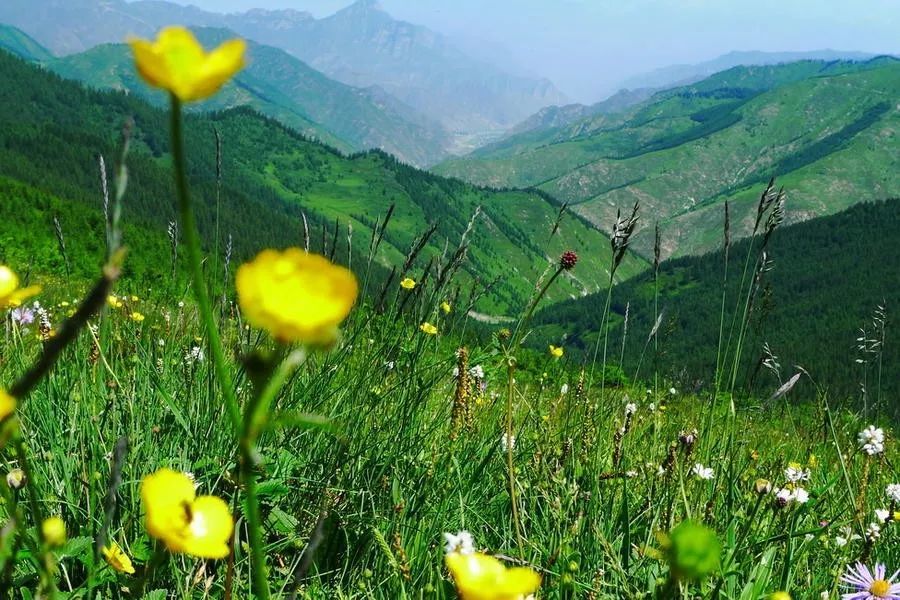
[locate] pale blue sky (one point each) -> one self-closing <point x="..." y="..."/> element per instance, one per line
<point x="588" y="46"/>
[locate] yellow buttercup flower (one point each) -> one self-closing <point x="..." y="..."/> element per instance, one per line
<point x="428" y="328"/>
<point x="7" y="404"/>
<point x="445" y="306"/>
<point x="114" y="302"/>
<point x="296" y="296"/>
<point x="54" y="531"/>
<point x="137" y="317"/>
<point x="408" y="283"/>
<point x="199" y="526"/>
<point x="556" y="351"/>
<point x="176" y="62"/>
<point x="482" y="577"/>
<point x="117" y="558"/>
<point x="11" y="295"/>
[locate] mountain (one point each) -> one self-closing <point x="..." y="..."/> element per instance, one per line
<point x="828" y="129"/>
<point x="557" y="116"/>
<point x="828" y="276"/>
<point x="684" y="74"/>
<point x="21" y="44"/>
<point x="281" y="86"/>
<point x="360" y="45"/>
<point x="52" y="129"/>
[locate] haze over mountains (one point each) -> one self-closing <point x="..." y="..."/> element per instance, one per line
<point x="829" y="130"/>
<point x="361" y="46"/>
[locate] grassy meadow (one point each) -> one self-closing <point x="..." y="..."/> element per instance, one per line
<point x="338" y="463"/>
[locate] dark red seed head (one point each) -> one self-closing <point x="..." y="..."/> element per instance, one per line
<point x="568" y="260"/>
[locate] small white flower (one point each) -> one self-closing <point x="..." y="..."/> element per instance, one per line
<point x="808" y="537"/>
<point x="840" y="541"/>
<point x="651" y="407"/>
<point x="893" y="492"/>
<point x="631" y="474"/>
<point x="477" y="372"/>
<point x="630" y="409"/>
<point x="795" y="473"/>
<point x="660" y="471"/>
<point x="455" y="372"/>
<point x="702" y="472"/>
<point x="389" y="364"/>
<point x="801" y="496"/>
<point x="873" y="531"/>
<point x="459" y="543"/>
<point x="786" y="496"/>
<point x="673" y="391"/>
<point x="649" y="392"/>
<point x="507" y="443"/>
<point x="181" y="305"/>
<point x="564" y="389"/>
<point x="871" y="440"/>
<point x="194" y="355"/>
<point x="161" y="342"/>
<point x="824" y="596"/>
<point x="882" y="514"/>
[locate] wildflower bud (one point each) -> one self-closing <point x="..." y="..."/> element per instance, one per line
<point x="780" y="596"/>
<point x="504" y="333"/>
<point x="568" y="260"/>
<point x="763" y="486"/>
<point x="16" y="479"/>
<point x="54" y="532"/>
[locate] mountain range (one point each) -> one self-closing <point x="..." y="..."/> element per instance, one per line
<point x="273" y="178"/>
<point x="828" y="129"/>
<point x="361" y="46"/>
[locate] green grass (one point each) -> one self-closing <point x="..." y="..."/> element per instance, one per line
<point x="387" y="468"/>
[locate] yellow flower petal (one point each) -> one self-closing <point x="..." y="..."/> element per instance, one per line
<point x="7" y="404"/>
<point x="176" y="62"/>
<point x="198" y="526"/>
<point x="211" y="527"/>
<point x="296" y="296"/>
<point x="482" y="577"/>
<point x="117" y="559"/>
<point x="11" y="295"/>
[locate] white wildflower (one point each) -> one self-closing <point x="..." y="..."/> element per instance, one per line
<point x="871" y="440"/>
<point x="795" y="473"/>
<point x="893" y="492"/>
<point x="477" y="372"/>
<point x="564" y="389"/>
<point x="459" y="543"/>
<point x="702" y="472"/>
<point x="507" y="442"/>
<point x="630" y="409"/>
<point x="882" y="514"/>
<point x="873" y="531"/>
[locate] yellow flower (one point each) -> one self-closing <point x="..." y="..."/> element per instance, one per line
<point x="482" y="577"/>
<point x="113" y="301"/>
<point x="137" y="317"/>
<point x="556" y="351"/>
<point x="54" y="531"/>
<point x="428" y="328"/>
<point x="408" y="283"/>
<point x="296" y="296"/>
<point x="199" y="526"/>
<point x="11" y="295"/>
<point x="445" y="306"/>
<point x="7" y="404"/>
<point x="117" y="558"/>
<point x="780" y="596"/>
<point x="176" y="62"/>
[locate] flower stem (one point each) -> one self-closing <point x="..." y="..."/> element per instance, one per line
<point x="192" y="238"/>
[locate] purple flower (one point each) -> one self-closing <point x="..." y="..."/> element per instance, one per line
<point x="867" y="585"/>
<point x="23" y="316"/>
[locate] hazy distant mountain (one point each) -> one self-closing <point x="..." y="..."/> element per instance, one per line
<point x="686" y="74"/>
<point x="21" y="44"/>
<point x="557" y="116"/>
<point x="284" y="87"/>
<point x="360" y="45"/>
<point x="827" y="129"/>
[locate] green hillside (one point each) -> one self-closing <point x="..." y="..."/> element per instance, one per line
<point x="281" y="86"/>
<point x="828" y="129"/>
<point x="51" y="131"/>
<point x="829" y="275"/>
<point x="21" y="44"/>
